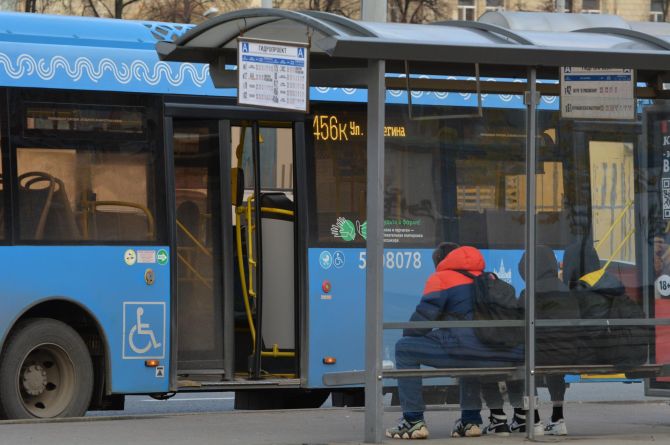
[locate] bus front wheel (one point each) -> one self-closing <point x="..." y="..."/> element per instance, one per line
<point x="45" y="371"/>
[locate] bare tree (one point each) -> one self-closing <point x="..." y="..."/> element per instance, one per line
<point x="176" y="11"/>
<point x="416" y="11"/>
<point x="39" y="6"/>
<point x="187" y="11"/>
<point x="107" y="8"/>
<point x="347" y="8"/>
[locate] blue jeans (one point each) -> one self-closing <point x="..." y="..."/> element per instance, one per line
<point x="412" y="352"/>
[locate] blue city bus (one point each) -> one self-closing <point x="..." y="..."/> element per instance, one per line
<point x="129" y="194"/>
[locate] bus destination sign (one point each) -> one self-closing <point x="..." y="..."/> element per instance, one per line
<point x="272" y="74"/>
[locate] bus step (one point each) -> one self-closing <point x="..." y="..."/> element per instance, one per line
<point x="237" y="384"/>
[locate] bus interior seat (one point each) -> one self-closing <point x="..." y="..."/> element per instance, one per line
<point x="108" y="224"/>
<point x="278" y="291"/>
<point x="45" y="210"/>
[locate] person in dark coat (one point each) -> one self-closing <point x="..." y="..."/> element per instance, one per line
<point x="553" y="300"/>
<point x="447" y="296"/>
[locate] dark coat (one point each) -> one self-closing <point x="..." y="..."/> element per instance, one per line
<point x="553" y="300"/>
<point x="450" y="292"/>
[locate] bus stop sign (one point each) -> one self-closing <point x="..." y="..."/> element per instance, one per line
<point x="272" y="74"/>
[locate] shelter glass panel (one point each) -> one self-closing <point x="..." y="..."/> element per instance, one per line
<point x="653" y="202"/>
<point x="458" y="181"/>
<point x="599" y="292"/>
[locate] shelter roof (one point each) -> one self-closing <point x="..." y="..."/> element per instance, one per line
<point x="498" y="38"/>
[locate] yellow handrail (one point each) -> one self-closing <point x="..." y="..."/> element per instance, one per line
<point x="243" y="278"/>
<point x="592" y="278"/>
<point x="614" y="224"/>
<point x="194" y="239"/>
<point x="247" y="289"/>
<point x="250" y="244"/>
<point x="278" y="211"/>
<point x="195" y="272"/>
<point x="275" y="353"/>
<point x="150" y="219"/>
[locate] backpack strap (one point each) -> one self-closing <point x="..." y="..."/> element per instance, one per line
<point x="465" y="272"/>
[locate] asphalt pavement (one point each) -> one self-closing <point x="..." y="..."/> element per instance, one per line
<point x="645" y="420"/>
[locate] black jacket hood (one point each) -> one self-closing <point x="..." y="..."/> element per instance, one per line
<point x="546" y="270"/>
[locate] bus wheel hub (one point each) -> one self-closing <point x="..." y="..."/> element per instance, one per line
<point x="34" y="380"/>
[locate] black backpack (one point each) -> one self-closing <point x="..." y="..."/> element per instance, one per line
<point x="622" y="346"/>
<point x="494" y="299"/>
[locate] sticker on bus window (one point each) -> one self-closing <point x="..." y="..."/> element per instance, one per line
<point x="162" y="257"/>
<point x="144" y="330"/>
<point x="347" y="229"/>
<point x="130" y="257"/>
<point x="146" y="256"/>
<point x="325" y="259"/>
<point x="338" y="259"/>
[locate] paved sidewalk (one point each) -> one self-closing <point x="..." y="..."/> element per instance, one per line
<point x="588" y="423"/>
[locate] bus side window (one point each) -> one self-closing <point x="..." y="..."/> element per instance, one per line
<point x="69" y="195"/>
<point x="45" y="208"/>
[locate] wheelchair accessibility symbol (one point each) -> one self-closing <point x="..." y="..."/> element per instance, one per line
<point x="143" y="330"/>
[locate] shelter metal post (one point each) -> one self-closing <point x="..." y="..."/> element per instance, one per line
<point x="531" y="110"/>
<point x="374" y="251"/>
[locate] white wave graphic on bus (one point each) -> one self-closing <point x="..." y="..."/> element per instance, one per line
<point x="139" y="70"/>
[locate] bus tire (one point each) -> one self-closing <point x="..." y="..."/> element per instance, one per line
<point x="45" y="371"/>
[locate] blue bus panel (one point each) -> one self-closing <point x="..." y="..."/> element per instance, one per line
<point x="337" y="300"/>
<point x="109" y="283"/>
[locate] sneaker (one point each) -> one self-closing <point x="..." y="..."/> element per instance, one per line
<point x="466" y="430"/>
<point x="497" y="426"/>
<point x="557" y="428"/>
<point x="518" y="425"/>
<point x="408" y="430"/>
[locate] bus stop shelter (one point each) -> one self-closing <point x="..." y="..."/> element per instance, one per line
<point x="509" y="53"/>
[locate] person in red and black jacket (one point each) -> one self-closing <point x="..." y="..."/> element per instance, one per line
<point x="447" y="296"/>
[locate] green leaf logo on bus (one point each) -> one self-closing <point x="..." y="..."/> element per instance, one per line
<point x="346" y="229"/>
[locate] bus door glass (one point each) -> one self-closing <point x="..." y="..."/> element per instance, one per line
<point x="265" y="303"/>
<point x="199" y="265"/>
